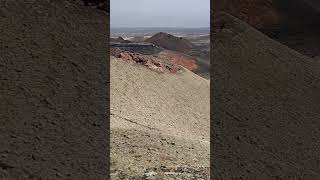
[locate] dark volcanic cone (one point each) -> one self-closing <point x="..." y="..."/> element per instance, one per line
<point x="170" y="42"/>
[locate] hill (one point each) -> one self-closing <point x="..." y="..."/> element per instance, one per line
<point x="158" y="121"/>
<point x="170" y="42"/>
<point x="266" y="99"/>
<point x="119" y="40"/>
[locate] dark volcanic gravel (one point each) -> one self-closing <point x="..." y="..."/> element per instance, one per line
<point x="265" y="120"/>
<point x="53" y="84"/>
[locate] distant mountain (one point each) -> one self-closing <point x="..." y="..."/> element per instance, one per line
<point x="119" y="40"/>
<point x="158" y="29"/>
<point x="170" y="42"/>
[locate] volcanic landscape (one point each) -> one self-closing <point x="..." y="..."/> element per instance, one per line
<point x="160" y="103"/>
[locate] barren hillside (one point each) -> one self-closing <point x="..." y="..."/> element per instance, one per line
<point x="266" y="99"/>
<point x="157" y="120"/>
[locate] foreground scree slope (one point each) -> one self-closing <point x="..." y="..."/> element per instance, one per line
<point x="53" y="91"/>
<point x="158" y="120"/>
<point x="266" y="107"/>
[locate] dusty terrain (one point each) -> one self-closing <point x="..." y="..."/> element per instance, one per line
<point x="53" y="86"/>
<point x="265" y="120"/>
<point x="159" y="121"/>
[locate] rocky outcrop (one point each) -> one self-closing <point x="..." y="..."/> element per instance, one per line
<point x="165" y="60"/>
<point x="151" y="62"/>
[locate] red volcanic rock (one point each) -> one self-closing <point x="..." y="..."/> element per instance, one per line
<point x="169" y="60"/>
<point x="170" y="42"/>
<point x="154" y="63"/>
<point x="115" y="51"/>
<point x="179" y="59"/>
<point x="125" y="56"/>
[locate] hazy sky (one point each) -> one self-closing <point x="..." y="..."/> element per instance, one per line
<point x="160" y="13"/>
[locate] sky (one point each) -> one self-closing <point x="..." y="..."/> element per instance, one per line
<point x="160" y="13"/>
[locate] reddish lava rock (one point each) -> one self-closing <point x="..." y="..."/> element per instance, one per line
<point x="180" y="59"/>
<point x="115" y="52"/>
<point x="154" y="63"/>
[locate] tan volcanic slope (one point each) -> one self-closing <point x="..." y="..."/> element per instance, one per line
<point x="157" y="119"/>
<point x="267" y="107"/>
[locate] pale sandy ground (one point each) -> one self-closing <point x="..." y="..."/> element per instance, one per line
<point x="157" y="119"/>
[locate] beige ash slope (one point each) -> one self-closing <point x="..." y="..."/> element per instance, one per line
<point x="157" y="119"/>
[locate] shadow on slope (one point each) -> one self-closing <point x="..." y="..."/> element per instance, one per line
<point x="53" y="91"/>
<point x="295" y="23"/>
<point x="265" y="124"/>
